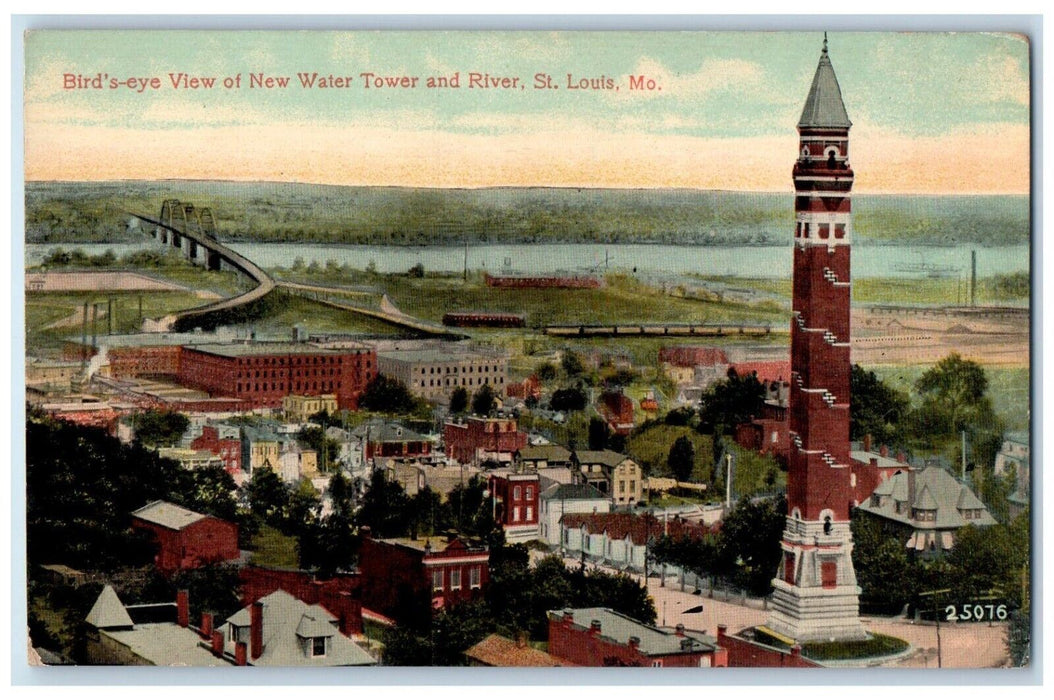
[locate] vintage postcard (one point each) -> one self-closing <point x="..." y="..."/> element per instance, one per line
<point x="657" y="349"/>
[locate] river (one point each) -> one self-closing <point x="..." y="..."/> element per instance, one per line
<point x="770" y="262"/>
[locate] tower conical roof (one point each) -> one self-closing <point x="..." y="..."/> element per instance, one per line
<point x="824" y="107"/>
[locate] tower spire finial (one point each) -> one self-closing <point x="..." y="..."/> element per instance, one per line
<point x="825" y="42"/>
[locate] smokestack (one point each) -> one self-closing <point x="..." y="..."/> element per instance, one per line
<point x="182" y="608"/>
<point x="256" y="629"/>
<point x="973" y="278"/>
<point x="217" y="643"/>
<point x="206" y="625"/>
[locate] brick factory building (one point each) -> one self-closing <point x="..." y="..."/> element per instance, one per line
<point x="265" y="373"/>
<point x="434" y="373"/>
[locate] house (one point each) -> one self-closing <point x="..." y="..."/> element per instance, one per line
<point x="559" y="499"/>
<point x="617" y="411"/>
<point x="400" y="573"/>
<point x="768" y="433"/>
<point x="152" y="634"/>
<point x="529" y="388"/>
<point x="191" y="458"/>
<point x="535" y="457"/>
<point x="185" y="539"/>
<point x="338" y="594"/>
<point x="499" y="651"/>
<point x="515" y="501"/>
<point x="296" y="462"/>
<point x="260" y="448"/>
<point x="299" y="407"/>
<point x="1014" y="456"/>
<point x="479" y="439"/>
<point x="279" y="630"/>
<point x="613" y="474"/>
<point x="930" y="505"/>
<point x="383" y="439"/>
<point x="603" y="637"/>
<point x="224" y="442"/>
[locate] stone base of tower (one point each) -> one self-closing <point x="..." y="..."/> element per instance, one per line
<point x="816" y="597"/>
<point x="816" y="614"/>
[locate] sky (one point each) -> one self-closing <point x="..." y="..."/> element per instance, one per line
<point x="932" y="113"/>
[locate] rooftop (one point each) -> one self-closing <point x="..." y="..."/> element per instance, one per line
<point x="435" y="355"/>
<point x="496" y="650"/>
<point x="824" y="107"/>
<point x="265" y="349"/>
<point x="167" y="515"/>
<point x="287" y="623"/>
<point x="572" y="492"/>
<point x="653" y="641"/>
<point x="935" y="489"/>
<point x="608" y="458"/>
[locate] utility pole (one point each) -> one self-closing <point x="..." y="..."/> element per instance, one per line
<point x="964" y="455"/>
<point x="936" y="616"/>
<point x="728" y="480"/>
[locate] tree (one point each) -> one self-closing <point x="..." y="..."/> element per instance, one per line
<point x="212" y="493"/>
<point x="572" y="363"/>
<point x="483" y="400"/>
<point x="417" y="271"/>
<point x="954" y="399"/>
<point x="546" y="371"/>
<point x="387" y="395"/>
<point x="268" y="496"/>
<point x="599" y="433"/>
<point x="385" y="507"/>
<point x="568" y="399"/>
<point x="875" y="408"/>
<point x="327" y="449"/>
<point x="888" y="579"/>
<point x="730" y="402"/>
<point x="681" y="460"/>
<point x="459" y="400"/>
<point x="750" y="542"/>
<point x="159" y="428"/>
<point x="82" y="486"/>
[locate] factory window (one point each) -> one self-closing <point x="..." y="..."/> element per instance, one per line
<point x="825" y="231"/>
<point x="839" y="230"/>
<point x="455" y="579"/>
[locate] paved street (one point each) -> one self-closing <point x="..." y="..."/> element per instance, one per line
<point x="962" y="645"/>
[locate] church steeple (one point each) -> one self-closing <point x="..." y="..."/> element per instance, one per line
<point x="824" y="108"/>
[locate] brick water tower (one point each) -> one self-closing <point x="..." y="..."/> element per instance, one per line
<point x="816" y="595"/>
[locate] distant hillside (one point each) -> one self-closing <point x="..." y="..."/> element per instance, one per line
<point x="285" y="212"/>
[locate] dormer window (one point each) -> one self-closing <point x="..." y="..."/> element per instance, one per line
<point x="318" y="646"/>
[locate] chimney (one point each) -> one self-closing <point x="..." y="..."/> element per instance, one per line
<point x="902" y="457"/>
<point x="239" y="654"/>
<point x="884" y="451"/>
<point x="679" y="630"/>
<point x="521" y="640"/>
<point x="366" y="532"/>
<point x="217" y="643"/>
<point x="256" y="629"/>
<point x="182" y="608"/>
<point x="874" y="461"/>
<point x="911" y="487"/>
<point x="350" y="616"/>
<point x="796" y="650"/>
<point x="722" y="630"/>
<point x="634" y="643"/>
<point x="867" y="442"/>
<point x="206" y="625"/>
<point x="569" y="615"/>
<point x="594" y="628"/>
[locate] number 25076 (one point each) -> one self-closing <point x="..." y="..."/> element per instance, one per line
<point x="975" y="613"/>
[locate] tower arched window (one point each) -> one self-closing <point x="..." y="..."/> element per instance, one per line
<point x="827" y="525"/>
